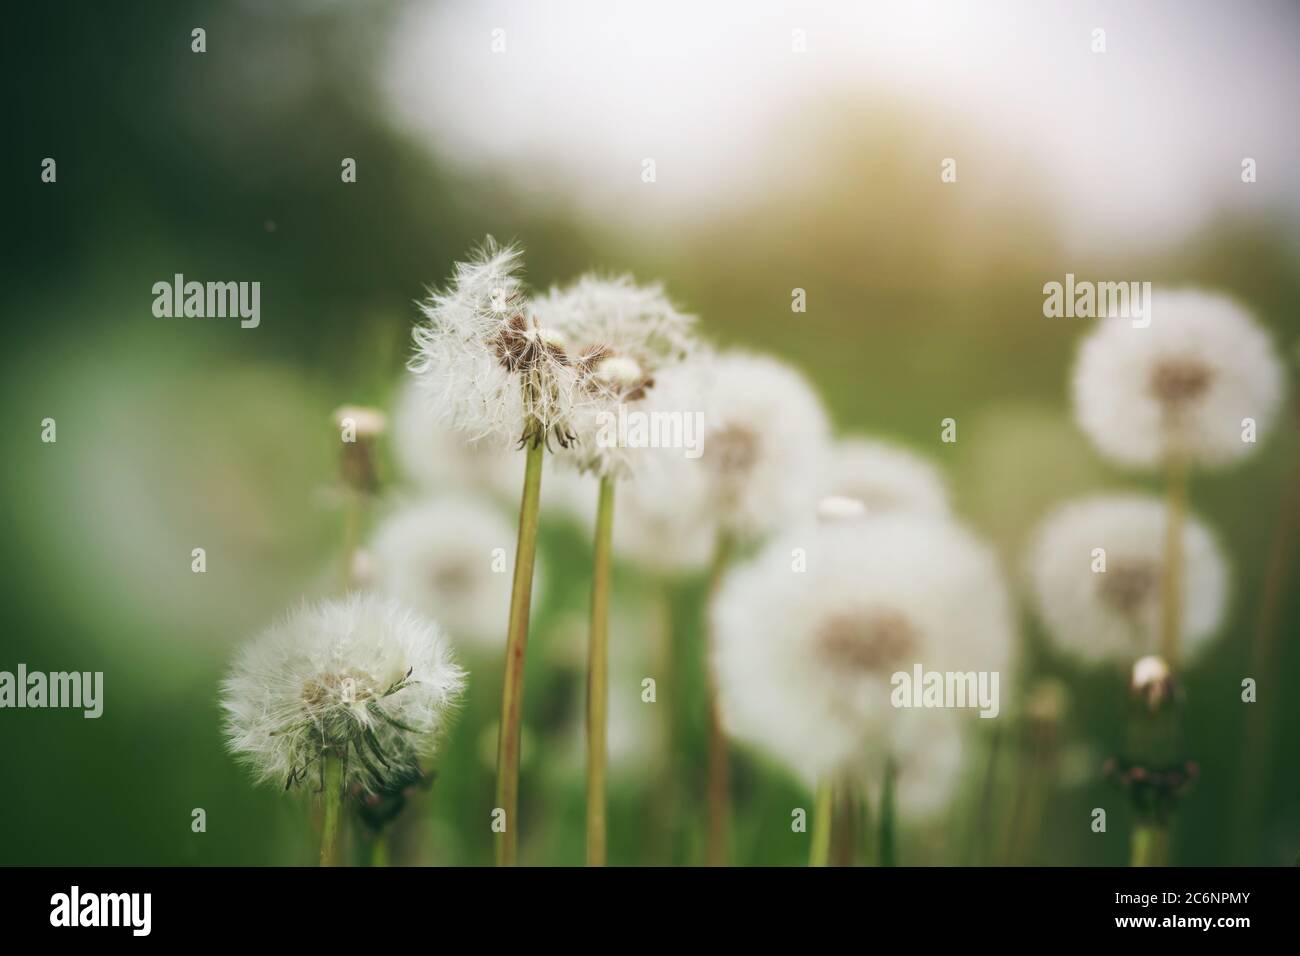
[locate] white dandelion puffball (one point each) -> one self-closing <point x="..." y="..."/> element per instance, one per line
<point x="805" y="659"/>
<point x="884" y="477"/>
<point x="453" y="557"/>
<point x="620" y="336"/>
<point x="1181" y="388"/>
<point x="362" y="679"/>
<point x="487" y="364"/>
<point x="1115" y="614"/>
<point x="764" y="447"/>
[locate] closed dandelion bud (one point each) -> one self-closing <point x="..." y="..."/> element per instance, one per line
<point x="359" y="430"/>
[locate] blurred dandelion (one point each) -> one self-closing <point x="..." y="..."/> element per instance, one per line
<point x="449" y="556"/>
<point x="804" y="662"/>
<point x="1197" y="387"/>
<point x="1115" y="614"/>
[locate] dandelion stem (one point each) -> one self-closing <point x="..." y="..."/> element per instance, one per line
<point x="886" y="843"/>
<point x="351" y="537"/>
<point x="1151" y="845"/>
<point x="598" y="675"/>
<point x="379" y="849"/>
<point x="719" y="798"/>
<point x="512" y="692"/>
<point x="332" y="796"/>
<point x="1171" y="620"/>
<point x="823" y="812"/>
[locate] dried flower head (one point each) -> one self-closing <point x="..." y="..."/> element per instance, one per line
<point x="620" y="336"/>
<point x="487" y="362"/>
<point x="1180" y="388"/>
<point x="804" y="661"/>
<point x="450" y="556"/>
<point x="1114" y="614"/>
<point x="361" y="679"/>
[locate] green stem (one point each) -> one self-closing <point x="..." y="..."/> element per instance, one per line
<point x="598" y="675"/>
<point x="886" y="844"/>
<point x="379" y="849"/>
<point x="719" y="785"/>
<point x="1171" y="620"/>
<point x="332" y="797"/>
<point x="823" y="812"/>
<point x="1151" y="845"/>
<point x="512" y="691"/>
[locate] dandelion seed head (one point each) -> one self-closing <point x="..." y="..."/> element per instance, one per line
<point x="338" y="678"/>
<point x="804" y="661"/>
<point x="439" y="556"/>
<point x="1181" y="387"/>
<point x="766" y="440"/>
<point x="1115" y="614"/>
<point x="487" y="364"/>
<point x="621" y="336"/>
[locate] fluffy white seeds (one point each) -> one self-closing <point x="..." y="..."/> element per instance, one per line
<point x="451" y="556"/>
<point x="1115" y="614"/>
<point x="804" y="660"/>
<point x="486" y="362"/>
<point x="1180" y="388"/>
<point x="764" y="446"/>
<point x="361" y="678"/>
<point x="885" y="478"/>
<point x="621" y="336"/>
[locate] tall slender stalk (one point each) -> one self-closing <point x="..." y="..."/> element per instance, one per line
<point x="719" y="784"/>
<point x="1172" y="618"/>
<point x="823" y="813"/>
<point x="331" y="798"/>
<point x="598" y="675"/>
<point x="512" y="691"/>
<point x="662" y="836"/>
<point x="1151" y="845"/>
<point x="888" y="852"/>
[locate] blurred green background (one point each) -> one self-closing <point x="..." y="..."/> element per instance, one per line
<point x="172" y="434"/>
